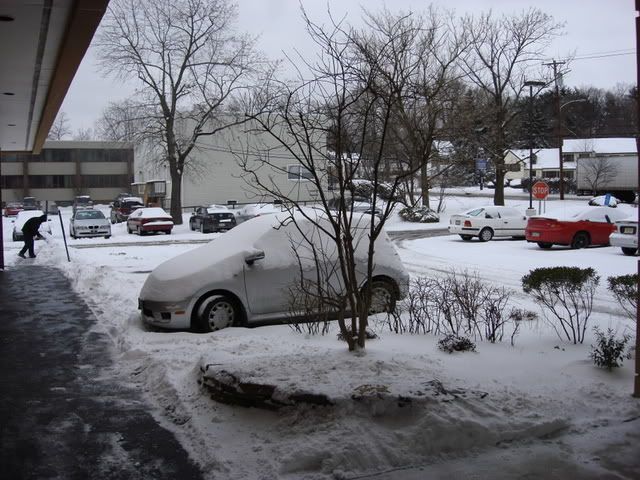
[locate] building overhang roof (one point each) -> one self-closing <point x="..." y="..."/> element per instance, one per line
<point x="43" y="43"/>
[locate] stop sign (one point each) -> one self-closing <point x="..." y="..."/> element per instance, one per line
<point x="540" y="190"/>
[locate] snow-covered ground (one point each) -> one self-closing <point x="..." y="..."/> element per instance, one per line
<point x="539" y="409"/>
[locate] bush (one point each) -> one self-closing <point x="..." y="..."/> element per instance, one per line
<point x="452" y="343"/>
<point x="364" y="188"/>
<point x="608" y="350"/>
<point x="625" y="289"/>
<point x="419" y="215"/>
<point x="567" y="292"/>
<point x="458" y="304"/>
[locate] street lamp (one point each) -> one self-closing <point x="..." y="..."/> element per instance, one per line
<point x="531" y="84"/>
<point x="560" y="140"/>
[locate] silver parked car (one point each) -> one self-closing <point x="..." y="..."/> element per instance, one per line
<point x="244" y="276"/>
<point x="89" y="223"/>
<point x="488" y="222"/>
<point x="625" y="236"/>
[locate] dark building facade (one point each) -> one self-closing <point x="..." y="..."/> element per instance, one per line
<point x="65" y="169"/>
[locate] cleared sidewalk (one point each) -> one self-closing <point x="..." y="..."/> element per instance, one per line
<point x="63" y="413"/>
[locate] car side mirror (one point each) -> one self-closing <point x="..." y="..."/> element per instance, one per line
<point x="250" y="259"/>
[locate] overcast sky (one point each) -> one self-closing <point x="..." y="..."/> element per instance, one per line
<point x="601" y="33"/>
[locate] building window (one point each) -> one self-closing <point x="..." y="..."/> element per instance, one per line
<point x="106" y="181"/>
<point x="50" y="181"/>
<point x="12" y="181"/>
<point x="298" y="173"/>
<point x="550" y="174"/>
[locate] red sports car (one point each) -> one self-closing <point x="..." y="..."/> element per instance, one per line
<point x="578" y="228"/>
<point x="152" y="219"/>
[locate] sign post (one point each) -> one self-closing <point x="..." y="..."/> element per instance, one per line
<point x="540" y="191"/>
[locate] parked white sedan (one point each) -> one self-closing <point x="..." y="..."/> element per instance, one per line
<point x="89" y="223"/>
<point x="488" y="222"/>
<point x="246" y="276"/>
<point x="625" y="236"/>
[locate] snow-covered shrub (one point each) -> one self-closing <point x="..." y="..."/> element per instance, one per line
<point x="419" y="215"/>
<point x="625" y="289"/>
<point x="364" y="188"/>
<point x="458" y="304"/>
<point x="567" y="293"/>
<point x="453" y="343"/>
<point x="520" y="315"/>
<point x="609" y="350"/>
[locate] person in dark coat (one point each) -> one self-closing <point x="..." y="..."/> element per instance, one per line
<point x="30" y="230"/>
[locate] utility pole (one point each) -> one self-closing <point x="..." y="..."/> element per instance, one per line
<point x="636" y="383"/>
<point x="558" y="128"/>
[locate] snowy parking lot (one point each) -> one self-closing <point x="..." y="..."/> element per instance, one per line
<point x="539" y="408"/>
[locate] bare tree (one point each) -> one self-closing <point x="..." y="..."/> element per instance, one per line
<point x="350" y="83"/>
<point x="60" y="127"/>
<point x="189" y="64"/>
<point x="598" y="172"/>
<point x="84" y="134"/>
<point x="502" y="55"/>
<point x="417" y="57"/>
<point x="121" y="122"/>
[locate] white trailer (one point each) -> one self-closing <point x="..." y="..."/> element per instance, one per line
<point x="602" y="174"/>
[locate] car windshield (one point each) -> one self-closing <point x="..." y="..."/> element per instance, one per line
<point x="89" y="215"/>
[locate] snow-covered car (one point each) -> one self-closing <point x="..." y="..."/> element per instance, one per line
<point x="577" y="227"/>
<point x="82" y="202"/>
<point x="244" y="277"/>
<point x="22" y="217"/>
<point x="89" y="223"/>
<point x="488" y="222"/>
<point x="256" y="210"/>
<point x="12" y="209"/>
<point x="604" y="201"/>
<point x="149" y="219"/>
<point x="214" y="218"/>
<point x="625" y="236"/>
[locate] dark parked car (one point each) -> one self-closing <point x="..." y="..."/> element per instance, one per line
<point x="122" y="207"/>
<point x="214" y="218"/>
<point x="30" y="203"/>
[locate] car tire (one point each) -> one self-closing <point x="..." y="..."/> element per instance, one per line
<point x="217" y="312"/>
<point x="107" y="237"/>
<point x="629" y="251"/>
<point x="202" y="229"/>
<point x="466" y="238"/>
<point x="192" y="226"/>
<point x="129" y="231"/>
<point x="485" y="234"/>
<point x="545" y="245"/>
<point x="383" y="297"/>
<point x="580" y="240"/>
